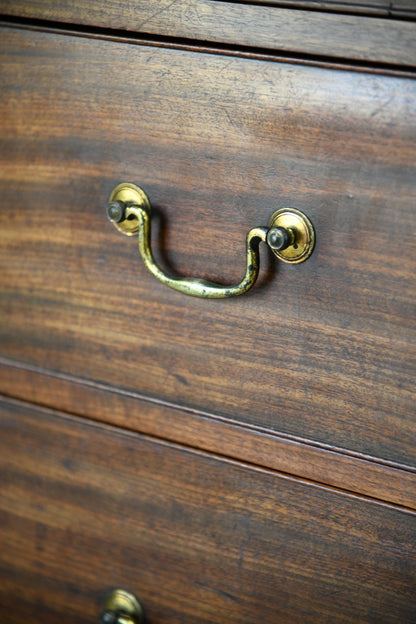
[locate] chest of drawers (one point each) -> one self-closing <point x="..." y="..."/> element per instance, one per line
<point x="248" y="459"/>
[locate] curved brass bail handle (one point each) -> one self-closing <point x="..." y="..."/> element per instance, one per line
<point x="289" y="234"/>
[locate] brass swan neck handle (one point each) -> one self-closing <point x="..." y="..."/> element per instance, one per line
<point x="289" y="234"/>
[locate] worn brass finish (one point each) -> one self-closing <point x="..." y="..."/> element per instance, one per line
<point x="132" y="196"/>
<point x="302" y="244"/>
<point x="290" y="236"/>
<point x="121" y="607"/>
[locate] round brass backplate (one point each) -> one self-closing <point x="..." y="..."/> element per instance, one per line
<point x="125" y="606"/>
<point x="304" y="241"/>
<point x="130" y="194"/>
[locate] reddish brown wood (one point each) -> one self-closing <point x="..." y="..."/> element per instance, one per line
<point x="363" y="475"/>
<point x="278" y="482"/>
<point x="342" y="36"/>
<point x="85" y="508"/>
<point x="323" y="350"/>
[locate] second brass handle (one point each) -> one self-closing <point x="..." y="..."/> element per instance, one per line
<point x="122" y="607"/>
<point x="289" y="234"/>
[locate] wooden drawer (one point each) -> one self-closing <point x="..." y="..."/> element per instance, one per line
<point x="333" y="31"/>
<point x="85" y="508"/>
<point x="244" y="460"/>
<point x="321" y="351"/>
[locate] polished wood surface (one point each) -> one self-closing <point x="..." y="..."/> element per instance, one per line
<point x="248" y="461"/>
<point x="316" y="463"/>
<point x="200" y="539"/>
<point x="290" y="31"/>
<point x="324" y="351"/>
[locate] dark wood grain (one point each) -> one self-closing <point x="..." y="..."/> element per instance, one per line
<point x="330" y="466"/>
<point x="342" y="36"/>
<point x="323" y="350"/>
<point x="368" y="7"/>
<point x="85" y="508"/>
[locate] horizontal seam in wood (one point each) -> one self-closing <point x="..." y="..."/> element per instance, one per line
<point x="208" y="47"/>
<point x="102" y="387"/>
<point x="122" y="430"/>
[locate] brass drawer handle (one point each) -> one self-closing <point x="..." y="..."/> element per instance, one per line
<point x="122" y="608"/>
<point x="289" y="234"/>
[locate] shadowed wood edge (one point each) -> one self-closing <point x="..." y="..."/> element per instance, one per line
<point x="370" y="477"/>
<point x="325" y="34"/>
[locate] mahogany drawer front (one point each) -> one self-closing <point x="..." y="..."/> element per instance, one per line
<point x="85" y="508"/>
<point x="323" y="350"/>
<point x="342" y="35"/>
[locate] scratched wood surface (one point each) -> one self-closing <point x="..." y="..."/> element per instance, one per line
<point x="325" y="350"/>
<point x="201" y="540"/>
<point x="286" y="30"/>
<point x="368" y="7"/>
